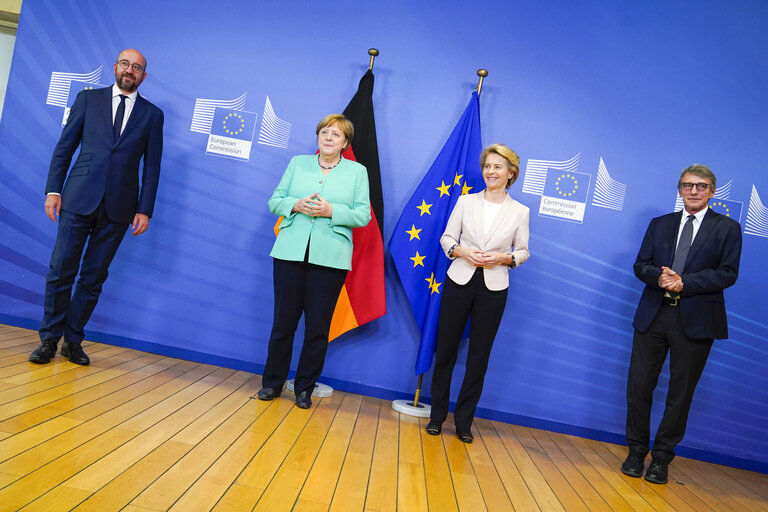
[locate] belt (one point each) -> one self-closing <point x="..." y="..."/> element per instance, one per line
<point x="671" y="301"/>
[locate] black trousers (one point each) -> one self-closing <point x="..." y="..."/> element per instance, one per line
<point x="301" y="287"/>
<point x="460" y="303"/>
<point x="687" y="357"/>
<point x="65" y="313"/>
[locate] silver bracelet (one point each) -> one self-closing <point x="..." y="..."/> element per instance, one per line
<point x="450" y="251"/>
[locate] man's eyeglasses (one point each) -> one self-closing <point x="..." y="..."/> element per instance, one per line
<point x="701" y="187"/>
<point x="124" y="64"/>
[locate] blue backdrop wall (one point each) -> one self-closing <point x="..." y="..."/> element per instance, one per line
<point x="623" y="94"/>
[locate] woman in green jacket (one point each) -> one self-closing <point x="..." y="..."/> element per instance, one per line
<point x="321" y="198"/>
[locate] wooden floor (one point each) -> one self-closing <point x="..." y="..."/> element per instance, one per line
<point x="141" y="432"/>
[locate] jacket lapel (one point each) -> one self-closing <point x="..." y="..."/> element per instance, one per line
<point x="105" y="107"/>
<point x="671" y="235"/>
<point x="136" y="113"/>
<point x="477" y="218"/>
<point x="504" y="212"/>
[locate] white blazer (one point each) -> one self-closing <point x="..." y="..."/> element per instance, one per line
<point x="466" y="227"/>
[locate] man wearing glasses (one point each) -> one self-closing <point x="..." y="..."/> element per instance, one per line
<point x="97" y="199"/>
<point x="686" y="260"/>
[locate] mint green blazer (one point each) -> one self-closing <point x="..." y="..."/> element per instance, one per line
<point x="329" y="239"/>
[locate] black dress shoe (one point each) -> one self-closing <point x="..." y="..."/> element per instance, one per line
<point x="633" y="465"/>
<point x="657" y="471"/>
<point x="465" y="436"/>
<point x="44" y="352"/>
<point x="74" y="351"/>
<point x="268" y="393"/>
<point x="434" y="428"/>
<point x="303" y="400"/>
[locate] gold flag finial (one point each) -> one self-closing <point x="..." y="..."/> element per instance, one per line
<point x="373" y="52"/>
<point x="482" y="73"/>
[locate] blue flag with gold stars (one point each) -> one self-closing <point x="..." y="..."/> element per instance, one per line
<point x="727" y="207"/>
<point x="236" y="124"/>
<point x="415" y="243"/>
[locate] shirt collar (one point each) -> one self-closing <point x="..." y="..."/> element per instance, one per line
<point x="699" y="215"/>
<point x="116" y="92"/>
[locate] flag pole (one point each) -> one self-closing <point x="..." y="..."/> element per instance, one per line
<point x="373" y="52"/>
<point x="414" y="408"/>
<point x="482" y="73"/>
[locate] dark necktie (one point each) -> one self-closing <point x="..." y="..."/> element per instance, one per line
<point x="119" y="118"/>
<point x="683" y="246"/>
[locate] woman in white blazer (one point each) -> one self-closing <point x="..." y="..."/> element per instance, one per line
<point x="486" y="236"/>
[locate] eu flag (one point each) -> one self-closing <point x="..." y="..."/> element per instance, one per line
<point x="569" y="185"/>
<point x="235" y="124"/>
<point x="415" y="243"/>
<point x="727" y="207"/>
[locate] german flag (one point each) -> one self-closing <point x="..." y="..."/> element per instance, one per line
<point x="362" y="298"/>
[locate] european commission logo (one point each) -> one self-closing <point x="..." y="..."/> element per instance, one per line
<point x="564" y="191"/>
<point x="63" y="88"/>
<point x="231" y="129"/>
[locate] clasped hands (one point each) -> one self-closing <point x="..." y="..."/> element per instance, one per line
<point x="480" y="258"/>
<point x="314" y="206"/>
<point x="670" y="280"/>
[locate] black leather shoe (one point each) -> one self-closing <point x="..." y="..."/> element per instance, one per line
<point x="465" y="436"/>
<point x="633" y="465"/>
<point x="44" y="352"/>
<point x="434" y="428"/>
<point x="657" y="471"/>
<point x="303" y="400"/>
<point x="74" y="351"/>
<point x="268" y="393"/>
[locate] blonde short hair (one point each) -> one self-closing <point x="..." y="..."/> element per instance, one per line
<point x="345" y="124"/>
<point x="513" y="161"/>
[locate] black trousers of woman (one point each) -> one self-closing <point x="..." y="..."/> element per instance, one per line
<point x="485" y="308"/>
<point x="301" y="287"/>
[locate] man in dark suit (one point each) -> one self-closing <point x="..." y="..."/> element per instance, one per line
<point x="115" y="129"/>
<point x="686" y="260"/>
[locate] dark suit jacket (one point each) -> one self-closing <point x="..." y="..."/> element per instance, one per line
<point x="712" y="266"/>
<point x="106" y="168"/>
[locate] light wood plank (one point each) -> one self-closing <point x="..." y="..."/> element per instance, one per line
<point x="122" y="489"/>
<point x="324" y="474"/>
<point x="439" y="482"/>
<point x="186" y="405"/>
<point x="205" y="492"/>
<point x="141" y="432"/>
<point x="352" y="486"/>
<point x="580" y="485"/>
<point x="612" y="498"/>
<point x="510" y="476"/>
<point x="382" y="485"/>
<point x="83" y="398"/>
<point x="58" y="499"/>
<point x="46" y="452"/>
<point x="237" y="498"/>
<point x="237" y="417"/>
<point x="534" y="479"/>
<point x="411" y="479"/>
<point x="282" y="492"/>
